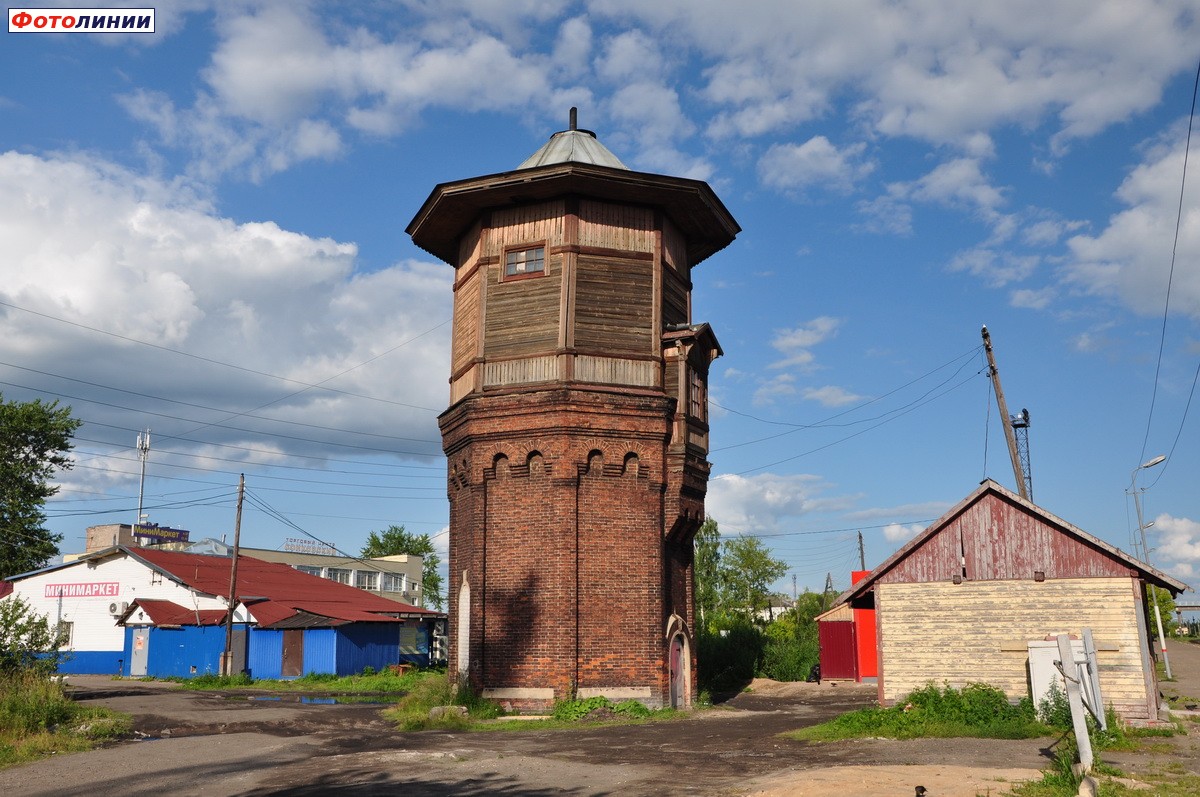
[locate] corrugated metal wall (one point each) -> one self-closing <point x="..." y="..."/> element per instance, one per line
<point x="839" y="651"/>
<point x="185" y="652"/>
<point x="366" y="645"/>
<point x="266" y="653"/>
<point x="320" y="650"/>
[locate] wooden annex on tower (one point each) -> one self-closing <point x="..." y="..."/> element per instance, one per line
<point x="577" y="431"/>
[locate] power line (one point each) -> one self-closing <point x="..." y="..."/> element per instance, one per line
<point x="230" y="428"/>
<point x="1162" y="338"/>
<point x="143" y="394"/>
<point x="238" y="367"/>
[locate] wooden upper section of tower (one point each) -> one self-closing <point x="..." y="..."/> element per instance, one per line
<point x="575" y="270"/>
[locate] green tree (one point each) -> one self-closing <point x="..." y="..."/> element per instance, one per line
<point x="706" y="566"/>
<point x="395" y="540"/>
<point x="35" y="439"/>
<point x="747" y="572"/>
<point x="28" y="643"/>
<point x="1166" y="607"/>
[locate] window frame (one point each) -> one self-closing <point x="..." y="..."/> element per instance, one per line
<point x="522" y="275"/>
<point x="366" y="579"/>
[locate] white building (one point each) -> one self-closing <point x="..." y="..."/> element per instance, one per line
<point x="87" y="596"/>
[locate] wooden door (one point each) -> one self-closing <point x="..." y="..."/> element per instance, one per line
<point x="293" y="653"/>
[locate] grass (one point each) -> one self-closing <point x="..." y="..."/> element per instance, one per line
<point x="386" y="682"/>
<point x="37" y="719"/>
<point x="932" y="712"/>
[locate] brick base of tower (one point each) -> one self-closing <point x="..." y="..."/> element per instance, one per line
<point x="572" y="513"/>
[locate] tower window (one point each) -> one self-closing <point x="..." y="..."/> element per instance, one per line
<point x="524" y="262"/>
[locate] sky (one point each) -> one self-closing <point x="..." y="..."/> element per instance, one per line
<point x="202" y="232"/>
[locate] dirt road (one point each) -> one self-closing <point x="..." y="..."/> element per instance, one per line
<point x="208" y="744"/>
<point x="212" y="744"/>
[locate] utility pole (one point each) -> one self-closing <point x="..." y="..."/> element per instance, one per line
<point x="862" y="556"/>
<point x="1009" y="435"/>
<point x="143" y="449"/>
<point x="794" y="596"/>
<point x="227" y="657"/>
<point x="1142" y="526"/>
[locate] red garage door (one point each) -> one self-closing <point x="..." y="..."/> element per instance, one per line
<point x="839" y="651"/>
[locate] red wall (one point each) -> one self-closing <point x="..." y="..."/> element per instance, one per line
<point x="864" y="625"/>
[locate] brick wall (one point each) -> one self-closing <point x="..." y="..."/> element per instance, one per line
<point x="559" y="517"/>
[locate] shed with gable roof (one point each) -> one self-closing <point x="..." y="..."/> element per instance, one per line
<point x="961" y="602"/>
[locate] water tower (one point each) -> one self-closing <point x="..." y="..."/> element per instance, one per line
<point x="577" y="432"/>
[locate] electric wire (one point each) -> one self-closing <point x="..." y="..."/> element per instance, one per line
<point x="223" y="363"/>
<point x="1162" y="339"/>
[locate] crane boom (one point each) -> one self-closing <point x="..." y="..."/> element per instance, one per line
<point x="1009" y="434"/>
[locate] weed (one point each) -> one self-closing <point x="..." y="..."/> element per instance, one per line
<point x="977" y="710"/>
<point x="572" y="710"/>
<point x="38" y="719"/>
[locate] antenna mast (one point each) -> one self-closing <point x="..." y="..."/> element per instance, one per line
<point x="143" y="449"/>
<point x="1023" y="483"/>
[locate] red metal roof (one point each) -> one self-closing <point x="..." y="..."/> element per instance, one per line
<point x="163" y="613"/>
<point x="272" y="591"/>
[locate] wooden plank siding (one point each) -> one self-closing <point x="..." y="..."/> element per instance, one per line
<point x="624" y="228"/>
<point x="675" y="298"/>
<point x="467" y="312"/>
<point x="973" y="633"/>
<point x="675" y="250"/>
<point x="517" y="372"/>
<point x="522" y="315"/>
<point x="525" y="224"/>
<point x="994" y="539"/>
<point x="614" y="305"/>
<point x="614" y="371"/>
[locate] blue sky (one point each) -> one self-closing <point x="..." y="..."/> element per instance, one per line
<point x="203" y="232"/>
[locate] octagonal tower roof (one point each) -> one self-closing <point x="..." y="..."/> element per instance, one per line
<point x="573" y="146"/>
<point x="573" y="163"/>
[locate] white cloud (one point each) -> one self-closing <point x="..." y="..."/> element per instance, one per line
<point x="1031" y="299"/>
<point x="630" y="56"/>
<point x="796" y="344"/>
<point x="755" y="504"/>
<point x="104" y="248"/>
<point x="1131" y="258"/>
<point x="937" y="70"/>
<point x="959" y="182"/>
<point x="1177" y="542"/>
<point x="283" y="88"/>
<point x="900" y="533"/>
<point x="815" y="162"/>
<point x="995" y="268"/>
<point x="779" y="386"/>
<point x="832" y="396"/>
<point x="929" y="509"/>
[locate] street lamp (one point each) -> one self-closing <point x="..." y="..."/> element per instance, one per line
<point x="1142" y="526"/>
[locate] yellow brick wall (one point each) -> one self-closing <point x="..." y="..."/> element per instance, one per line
<point x="966" y="633"/>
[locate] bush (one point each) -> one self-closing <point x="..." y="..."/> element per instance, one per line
<point x="428" y="690"/>
<point x="977" y="710"/>
<point x="1055" y="709"/>
<point x="572" y="710"/>
<point x="27" y="642"/>
<point x="728" y="662"/>
<point x="631" y="708"/>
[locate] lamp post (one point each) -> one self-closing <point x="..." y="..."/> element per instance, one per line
<point x="1142" y="526"/>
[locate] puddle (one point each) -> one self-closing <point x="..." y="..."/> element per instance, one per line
<point x="324" y="700"/>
